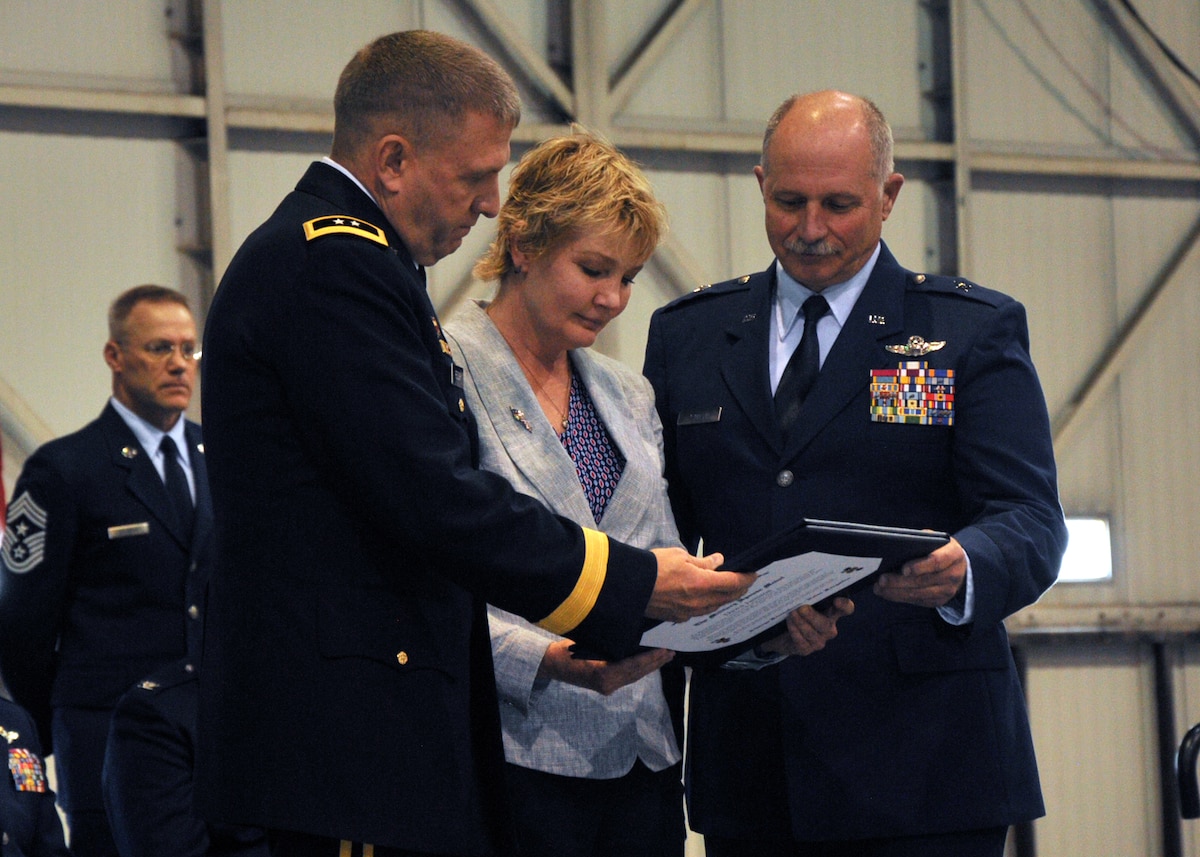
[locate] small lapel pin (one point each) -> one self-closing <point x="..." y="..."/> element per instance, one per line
<point x="916" y="347"/>
<point x="129" y="451"/>
<point x="876" y="319"/>
<point x="749" y="317"/>
<point x="519" y="416"/>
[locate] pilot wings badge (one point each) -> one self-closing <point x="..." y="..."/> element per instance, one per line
<point x="916" y="347"/>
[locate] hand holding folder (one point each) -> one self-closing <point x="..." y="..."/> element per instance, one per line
<point x="810" y="563"/>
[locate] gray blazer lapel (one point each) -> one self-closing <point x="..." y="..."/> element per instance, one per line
<point x="538" y="464"/>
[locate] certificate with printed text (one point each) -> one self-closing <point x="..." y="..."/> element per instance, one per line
<point x="808" y="563"/>
<point x="781" y="587"/>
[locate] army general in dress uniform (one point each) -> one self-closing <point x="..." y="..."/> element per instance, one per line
<point x="347" y="699"/>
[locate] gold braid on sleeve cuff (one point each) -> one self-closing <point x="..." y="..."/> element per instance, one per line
<point x="582" y="599"/>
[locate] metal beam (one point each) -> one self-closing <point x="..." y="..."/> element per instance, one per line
<point x="646" y="55"/>
<point x="1068" y="420"/>
<point x="102" y="101"/>
<point x="530" y="62"/>
<point x="1179" y="95"/>
<point x="588" y="71"/>
<point x="218" y="141"/>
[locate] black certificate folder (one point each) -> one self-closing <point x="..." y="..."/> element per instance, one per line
<point x="894" y="545"/>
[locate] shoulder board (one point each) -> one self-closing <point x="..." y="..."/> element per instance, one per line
<point x="342" y="224"/>
<point x="737" y="284"/>
<point x="959" y="286"/>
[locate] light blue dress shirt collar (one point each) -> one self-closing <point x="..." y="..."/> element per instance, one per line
<point x="788" y="325"/>
<point x="150" y="437"/>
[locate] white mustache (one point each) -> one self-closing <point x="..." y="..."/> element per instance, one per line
<point x="817" y="248"/>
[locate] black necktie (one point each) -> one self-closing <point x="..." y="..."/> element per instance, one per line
<point x="177" y="486"/>
<point x="802" y="368"/>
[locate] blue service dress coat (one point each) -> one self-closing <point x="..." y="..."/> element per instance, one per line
<point x="904" y="724"/>
<point x="29" y="825"/>
<point x="149" y="774"/>
<point x="352" y="693"/>
<point x="99" y="586"/>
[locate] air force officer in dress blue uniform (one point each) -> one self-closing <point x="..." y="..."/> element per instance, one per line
<point x="917" y="405"/>
<point x="106" y="551"/>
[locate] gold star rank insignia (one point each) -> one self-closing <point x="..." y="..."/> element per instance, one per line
<point x="341" y="224"/>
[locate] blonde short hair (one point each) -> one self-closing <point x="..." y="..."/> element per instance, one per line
<point x="564" y="186"/>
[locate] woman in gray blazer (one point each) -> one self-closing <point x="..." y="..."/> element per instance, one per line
<point x="593" y="759"/>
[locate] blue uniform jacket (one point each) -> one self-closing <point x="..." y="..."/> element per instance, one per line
<point x="98" y="587"/>
<point x="149" y="775"/>
<point x="351" y="691"/>
<point x="903" y="724"/>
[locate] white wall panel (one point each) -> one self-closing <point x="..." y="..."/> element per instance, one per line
<point x="84" y="218"/>
<point x="1047" y="247"/>
<point x="1093" y="729"/>
<point x="773" y="48"/>
<point x="1161" y="453"/>
<point x="88" y="42"/>
<point x="297" y="50"/>
<point x="1019" y="87"/>
<point x="686" y="84"/>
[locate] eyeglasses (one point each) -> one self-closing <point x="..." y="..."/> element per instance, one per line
<point x="160" y="350"/>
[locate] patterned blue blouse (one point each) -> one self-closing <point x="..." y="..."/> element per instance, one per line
<point x="598" y="463"/>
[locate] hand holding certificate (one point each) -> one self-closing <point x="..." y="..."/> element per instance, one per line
<point x="807" y="564"/>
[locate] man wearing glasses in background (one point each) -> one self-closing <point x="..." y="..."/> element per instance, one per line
<point x="106" y="552"/>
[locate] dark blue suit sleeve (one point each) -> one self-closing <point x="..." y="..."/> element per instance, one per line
<point x="1005" y="471"/>
<point x="36" y="557"/>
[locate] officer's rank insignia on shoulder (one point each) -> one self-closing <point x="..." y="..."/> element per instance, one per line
<point x="25" y="536"/>
<point x="341" y="224"/>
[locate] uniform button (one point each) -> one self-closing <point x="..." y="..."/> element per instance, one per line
<point x="784" y="478"/>
<point x="194" y="612"/>
<point x="462" y="406"/>
<point x="4" y="838"/>
<point x="193" y="567"/>
<point x="402" y="658"/>
<point x="188" y="668"/>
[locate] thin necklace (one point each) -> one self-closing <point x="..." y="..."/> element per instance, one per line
<point x="563" y="416"/>
<point x="530" y="376"/>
